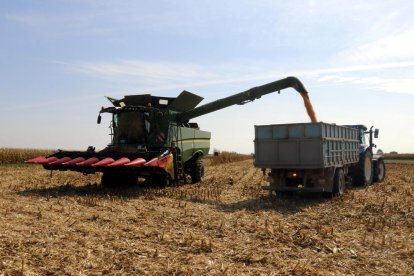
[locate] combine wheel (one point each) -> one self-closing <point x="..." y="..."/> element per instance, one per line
<point x="197" y="171"/>
<point x="338" y="188"/>
<point x="113" y="180"/>
<point x="158" y="180"/>
<point x="284" y="193"/>
<point x="129" y="180"/>
<point x="363" y="173"/>
<point x="108" y="180"/>
<point x="379" y="170"/>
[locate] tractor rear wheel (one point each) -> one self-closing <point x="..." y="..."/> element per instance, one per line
<point x="379" y="170"/>
<point x="197" y="171"/>
<point x="363" y="173"/>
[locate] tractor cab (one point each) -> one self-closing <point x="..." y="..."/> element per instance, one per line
<point x="366" y="136"/>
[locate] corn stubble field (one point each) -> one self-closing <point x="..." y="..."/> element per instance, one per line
<point x="69" y="224"/>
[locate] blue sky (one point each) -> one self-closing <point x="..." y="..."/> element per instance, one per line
<point x="59" y="58"/>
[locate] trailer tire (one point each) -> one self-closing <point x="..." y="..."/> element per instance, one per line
<point x="197" y="171"/>
<point x="339" y="185"/>
<point x="363" y="173"/>
<point x="379" y="170"/>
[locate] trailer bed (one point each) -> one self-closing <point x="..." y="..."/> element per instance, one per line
<point x="305" y="146"/>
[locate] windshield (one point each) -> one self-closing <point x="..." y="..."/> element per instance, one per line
<point x="136" y="128"/>
<point x="363" y="138"/>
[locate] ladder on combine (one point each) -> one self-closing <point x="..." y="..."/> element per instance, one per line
<point x="179" y="167"/>
<point x="178" y="159"/>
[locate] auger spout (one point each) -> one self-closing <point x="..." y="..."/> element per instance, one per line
<point x="243" y="97"/>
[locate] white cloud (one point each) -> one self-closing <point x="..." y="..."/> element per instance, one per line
<point x="376" y="67"/>
<point x="393" y="47"/>
<point x="392" y="85"/>
<point x="158" y="75"/>
<point x="24" y="18"/>
<point x="150" y="70"/>
<point x="383" y="63"/>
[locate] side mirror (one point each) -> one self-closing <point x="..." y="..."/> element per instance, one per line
<point x="376" y="131"/>
<point x="99" y="119"/>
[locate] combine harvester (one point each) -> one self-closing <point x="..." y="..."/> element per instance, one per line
<point x="152" y="138"/>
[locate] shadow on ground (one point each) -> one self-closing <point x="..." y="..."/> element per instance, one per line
<point x="288" y="204"/>
<point x="88" y="190"/>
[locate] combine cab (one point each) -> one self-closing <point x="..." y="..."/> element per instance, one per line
<point x="152" y="138"/>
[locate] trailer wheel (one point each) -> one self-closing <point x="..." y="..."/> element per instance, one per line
<point x="197" y="171"/>
<point x="379" y="170"/>
<point x="363" y="173"/>
<point x="338" y="188"/>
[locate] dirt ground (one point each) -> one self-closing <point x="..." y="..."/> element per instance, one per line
<point x="69" y="224"/>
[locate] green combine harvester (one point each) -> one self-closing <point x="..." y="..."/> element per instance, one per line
<point x="152" y="138"/>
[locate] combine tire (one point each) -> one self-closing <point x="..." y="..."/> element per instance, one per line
<point x="363" y="173"/>
<point x="379" y="170"/>
<point x="158" y="180"/>
<point x="338" y="188"/>
<point x="113" y="180"/>
<point x="108" y="180"/>
<point x="197" y="171"/>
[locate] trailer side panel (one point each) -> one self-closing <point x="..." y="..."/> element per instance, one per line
<point x="305" y="146"/>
